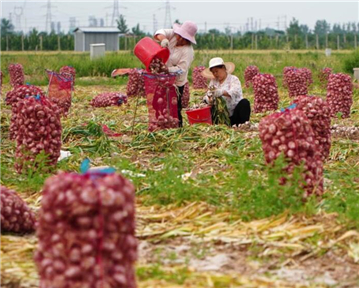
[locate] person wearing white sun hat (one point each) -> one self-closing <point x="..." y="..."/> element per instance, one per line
<point x="179" y="41"/>
<point x="229" y="87"/>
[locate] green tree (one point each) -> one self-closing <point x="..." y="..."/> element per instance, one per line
<point x="121" y="25"/>
<point x="294" y="28"/>
<point x="322" y="27"/>
<point x="6" y="27"/>
<point x="137" y="31"/>
<point x="305" y="29"/>
<point x="33" y="40"/>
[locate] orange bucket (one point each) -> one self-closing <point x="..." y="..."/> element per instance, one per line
<point x="201" y="115"/>
<point x="147" y="49"/>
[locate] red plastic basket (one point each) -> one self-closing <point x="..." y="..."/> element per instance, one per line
<point x="147" y="49"/>
<point x="202" y="115"/>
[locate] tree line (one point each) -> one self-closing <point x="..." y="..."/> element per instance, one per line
<point x="296" y="36"/>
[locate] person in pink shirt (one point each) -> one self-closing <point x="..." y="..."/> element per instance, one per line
<point x="179" y="41"/>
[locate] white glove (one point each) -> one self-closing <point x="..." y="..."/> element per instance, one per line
<point x="165" y="43"/>
<point x="206" y="99"/>
<point x="179" y="72"/>
<point x="218" y="93"/>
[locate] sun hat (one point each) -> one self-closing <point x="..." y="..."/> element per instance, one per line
<point x="217" y="61"/>
<point x="187" y="30"/>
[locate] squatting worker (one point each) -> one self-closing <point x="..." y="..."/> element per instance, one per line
<point x="179" y="41"/>
<point x="229" y="87"/>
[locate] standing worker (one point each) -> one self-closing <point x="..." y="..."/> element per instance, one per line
<point x="179" y="41"/>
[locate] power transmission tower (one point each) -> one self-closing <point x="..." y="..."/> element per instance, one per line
<point x="168" y="21"/>
<point x="48" y="16"/>
<point x="155" y="23"/>
<point x="18" y="11"/>
<point x="115" y="12"/>
<point x="72" y="24"/>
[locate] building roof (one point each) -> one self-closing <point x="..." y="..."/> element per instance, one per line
<point x="97" y="29"/>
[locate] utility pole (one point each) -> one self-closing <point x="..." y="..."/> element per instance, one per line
<point x="355" y="41"/>
<point x="317" y="40"/>
<point x="338" y="42"/>
<point x="306" y="41"/>
<point x="278" y="23"/>
<point x="326" y="40"/>
<point x="72" y="23"/>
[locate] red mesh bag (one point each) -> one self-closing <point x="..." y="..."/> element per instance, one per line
<point x="69" y="72"/>
<point x="318" y="113"/>
<point x="265" y="93"/>
<point x="285" y="70"/>
<point x="109" y="99"/>
<point x="60" y="91"/>
<point x="186" y="96"/>
<point x="14" y="96"/>
<point x="297" y="82"/>
<point x="290" y="132"/>
<point x="135" y="85"/>
<point x="16" y="72"/>
<point x="20" y="92"/>
<point x="16" y="216"/>
<point x="38" y="129"/>
<point x="249" y="73"/>
<point x="198" y="81"/>
<point x="308" y="75"/>
<point x="162" y="97"/>
<point x="86" y="232"/>
<point x="340" y="94"/>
